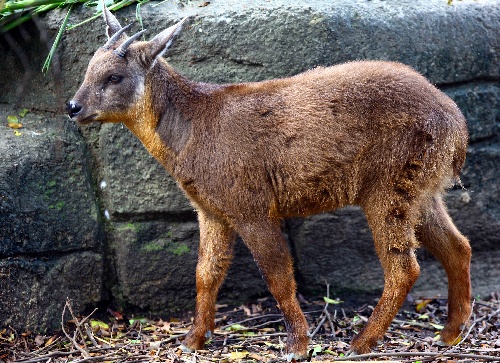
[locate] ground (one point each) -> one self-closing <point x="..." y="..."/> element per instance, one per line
<point x="255" y="333"/>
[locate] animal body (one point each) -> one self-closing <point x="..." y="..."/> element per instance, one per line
<point x="373" y="134"/>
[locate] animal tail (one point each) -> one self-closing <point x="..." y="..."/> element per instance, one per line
<point x="461" y="142"/>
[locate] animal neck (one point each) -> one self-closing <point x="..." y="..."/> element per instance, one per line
<point x="164" y="119"/>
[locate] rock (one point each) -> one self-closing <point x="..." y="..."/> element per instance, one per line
<point x="33" y="290"/>
<point x="133" y="182"/>
<point x="50" y="234"/>
<point x="156" y="264"/>
<point x="335" y="248"/>
<point x="428" y="35"/>
<point x="476" y="208"/>
<point x="479" y="104"/>
<point x="47" y="203"/>
<point x="253" y="40"/>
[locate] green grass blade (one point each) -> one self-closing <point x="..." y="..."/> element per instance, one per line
<point x="16" y="12"/>
<point x="48" y="60"/>
<point x="11" y="6"/>
<point x="116" y="6"/>
<point x="6" y="25"/>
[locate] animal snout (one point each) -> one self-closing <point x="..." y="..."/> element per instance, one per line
<point x="74" y="108"/>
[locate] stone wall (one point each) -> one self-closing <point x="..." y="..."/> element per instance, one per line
<point x="86" y="213"/>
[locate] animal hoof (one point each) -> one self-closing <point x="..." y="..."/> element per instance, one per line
<point x="351" y="353"/>
<point x="451" y="337"/>
<point x="293" y="357"/>
<point x="186" y="349"/>
<point x="440" y="343"/>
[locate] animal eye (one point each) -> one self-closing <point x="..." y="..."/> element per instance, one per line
<point x="115" y="78"/>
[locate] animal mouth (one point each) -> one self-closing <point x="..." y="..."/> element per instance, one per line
<point x="88" y="119"/>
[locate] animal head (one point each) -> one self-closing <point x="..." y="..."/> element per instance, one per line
<point x="114" y="85"/>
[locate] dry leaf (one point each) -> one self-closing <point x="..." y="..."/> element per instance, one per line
<point x="39" y="339"/>
<point x="13" y="125"/>
<point x="50" y="341"/>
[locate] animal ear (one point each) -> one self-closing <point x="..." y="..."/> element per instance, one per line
<point x="112" y="24"/>
<point x="157" y="46"/>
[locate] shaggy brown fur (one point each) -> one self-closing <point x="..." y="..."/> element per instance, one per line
<point x="373" y="134"/>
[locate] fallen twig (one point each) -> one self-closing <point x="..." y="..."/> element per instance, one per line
<point x="489" y="358"/>
<point x="325" y="315"/>
<point x="46" y="357"/>
<point x="251" y="319"/>
<point x="84" y="352"/>
<point x="149" y="342"/>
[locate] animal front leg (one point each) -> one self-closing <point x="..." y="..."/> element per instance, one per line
<point x="271" y="253"/>
<point x="214" y="257"/>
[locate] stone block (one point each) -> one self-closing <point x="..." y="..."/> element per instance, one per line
<point x="47" y="202"/>
<point x="156" y="265"/>
<point x="33" y="291"/>
<point x="50" y="234"/>
<point x="133" y="183"/>
<point x="479" y="104"/>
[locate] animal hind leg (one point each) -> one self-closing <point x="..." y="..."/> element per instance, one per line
<point x="395" y="244"/>
<point x="439" y="235"/>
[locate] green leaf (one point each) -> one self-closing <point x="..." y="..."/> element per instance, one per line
<point x="140" y="320"/>
<point x="317" y="349"/>
<point x="115" y="6"/>
<point x="331" y="301"/>
<point x="437" y="326"/>
<point x="23" y="112"/>
<point x="236" y="327"/>
<point x="12" y="119"/>
<point x="100" y="324"/>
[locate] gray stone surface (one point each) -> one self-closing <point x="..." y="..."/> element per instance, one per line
<point x="50" y="234"/>
<point x="288" y="37"/>
<point x="47" y="203"/>
<point x="476" y="210"/>
<point x="156" y="262"/>
<point x="133" y="182"/>
<point x="33" y="291"/>
<point x="51" y="226"/>
<point x="347" y="260"/>
<point x="479" y="102"/>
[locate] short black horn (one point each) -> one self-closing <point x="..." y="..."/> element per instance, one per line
<point x="122" y="49"/>
<point x="116" y="36"/>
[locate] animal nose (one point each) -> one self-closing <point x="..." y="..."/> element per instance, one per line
<point x="74" y="108"/>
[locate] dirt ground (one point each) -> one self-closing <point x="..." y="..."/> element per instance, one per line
<point x="256" y="333"/>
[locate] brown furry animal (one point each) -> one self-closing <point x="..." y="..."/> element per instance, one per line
<point x="373" y="134"/>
